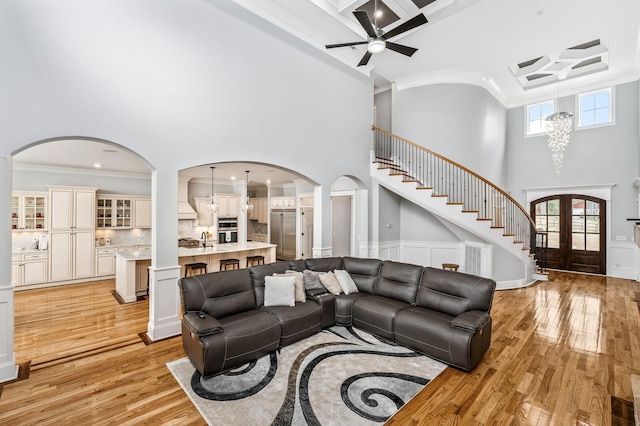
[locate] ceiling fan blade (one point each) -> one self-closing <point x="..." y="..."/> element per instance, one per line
<point x="401" y="48"/>
<point x="365" y="59"/>
<point x="412" y="23"/>
<point x="364" y="20"/>
<point x="331" y="46"/>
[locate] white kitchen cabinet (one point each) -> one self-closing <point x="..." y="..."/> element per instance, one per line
<point x="29" y="211"/>
<point x="283" y="202"/>
<point x="259" y="210"/>
<point x="205" y="216"/>
<point x="141" y="212"/>
<point x="105" y="261"/>
<point x="72" y="237"/>
<point x="114" y="211"/>
<point x="229" y="206"/>
<point x="29" y="268"/>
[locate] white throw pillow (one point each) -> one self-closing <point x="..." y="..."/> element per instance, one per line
<point x="279" y="291"/>
<point x="299" y="286"/>
<point x="330" y="282"/>
<point x="345" y="281"/>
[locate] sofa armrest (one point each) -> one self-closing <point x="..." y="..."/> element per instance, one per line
<point x="316" y="292"/>
<point x="471" y="320"/>
<point x="202" y="324"/>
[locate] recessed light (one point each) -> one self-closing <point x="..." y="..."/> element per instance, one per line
<point x="378" y="13"/>
<point x="233" y="178"/>
<point x="97" y="165"/>
<point x="268" y="180"/>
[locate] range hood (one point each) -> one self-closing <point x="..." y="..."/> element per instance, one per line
<point x="185" y="211"/>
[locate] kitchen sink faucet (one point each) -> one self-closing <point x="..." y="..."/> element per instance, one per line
<point x="204" y="239"/>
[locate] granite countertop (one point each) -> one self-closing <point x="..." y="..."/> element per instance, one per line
<point x="210" y="249"/>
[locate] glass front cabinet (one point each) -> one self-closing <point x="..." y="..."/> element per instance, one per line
<point x="113" y="211"/>
<point x="29" y="211"/>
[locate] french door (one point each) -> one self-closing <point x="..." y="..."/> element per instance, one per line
<point x="575" y="226"/>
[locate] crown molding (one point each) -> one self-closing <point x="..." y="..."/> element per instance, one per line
<point x="79" y="171"/>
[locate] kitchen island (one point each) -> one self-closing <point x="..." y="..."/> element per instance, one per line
<point x="132" y="267"/>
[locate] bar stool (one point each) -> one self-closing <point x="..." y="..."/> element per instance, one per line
<point x="226" y="263"/>
<point x="450" y="267"/>
<point x="189" y="268"/>
<point x="255" y="260"/>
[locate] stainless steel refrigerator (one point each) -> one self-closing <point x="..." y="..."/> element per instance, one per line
<point x="283" y="233"/>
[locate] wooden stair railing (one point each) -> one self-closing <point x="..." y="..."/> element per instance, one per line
<point x="461" y="186"/>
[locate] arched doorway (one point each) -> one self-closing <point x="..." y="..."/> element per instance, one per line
<point x="575" y="225"/>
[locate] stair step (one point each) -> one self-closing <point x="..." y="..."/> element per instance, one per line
<point x="497" y="227"/>
<point x="396" y="174"/>
<point x="439" y="195"/>
<point x="484" y="218"/>
<point x="508" y="235"/>
<point x="470" y="211"/>
<point x="412" y="180"/>
<point x="425" y="187"/>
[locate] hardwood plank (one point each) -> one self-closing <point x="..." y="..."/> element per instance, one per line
<point x="560" y="351"/>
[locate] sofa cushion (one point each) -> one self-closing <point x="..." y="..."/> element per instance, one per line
<point x="323" y="264"/>
<point x="454" y="292"/>
<point x="311" y="280"/>
<point x="364" y="272"/>
<point x="297" y="322"/>
<point x="399" y="281"/>
<point x="248" y="336"/>
<point x="344" y="307"/>
<point x="297" y="265"/>
<point x="279" y="291"/>
<point x="299" y="284"/>
<point x="330" y="282"/>
<point x="258" y="273"/>
<point x="218" y="294"/>
<point x="376" y="314"/>
<point x="346" y="282"/>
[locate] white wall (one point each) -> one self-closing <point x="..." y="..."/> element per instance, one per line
<point x="182" y="83"/>
<point x="599" y="156"/>
<point x="462" y="122"/>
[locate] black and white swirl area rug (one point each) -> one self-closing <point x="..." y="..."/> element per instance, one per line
<point x="341" y="376"/>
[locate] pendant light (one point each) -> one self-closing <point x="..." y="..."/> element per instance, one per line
<point x="247" y="205"/>
<point x="559" y="126"/>
<point x="213" y="203"/>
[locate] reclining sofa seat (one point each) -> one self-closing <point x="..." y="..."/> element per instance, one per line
<point x="450" y="320"/>
<point x="222" y="327"/>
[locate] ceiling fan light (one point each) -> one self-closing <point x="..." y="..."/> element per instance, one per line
<point x="376" y="45"/>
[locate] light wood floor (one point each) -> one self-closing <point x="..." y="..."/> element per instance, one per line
<point x="559" y="351"/>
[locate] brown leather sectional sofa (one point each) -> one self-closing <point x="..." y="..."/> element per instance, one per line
<point x="443" y="314"/>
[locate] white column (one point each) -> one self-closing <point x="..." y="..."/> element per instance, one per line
<point x="8" y="367"/>
<point x="164" y="298"/>
<point x="320" y="216"/>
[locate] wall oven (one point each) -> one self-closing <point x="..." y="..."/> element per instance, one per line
<point x="228" y="230"/>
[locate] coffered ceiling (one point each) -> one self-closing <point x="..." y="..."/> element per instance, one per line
<point x="479" y="42"/>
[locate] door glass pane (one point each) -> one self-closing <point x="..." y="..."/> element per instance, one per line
<point x="593" y="242"/>
<point x="541" y="208"/>
<point x="577" y="206"/>
<point x="554" y="223"/>
<point x="593" y="208"/>
<point x="577" y="241"/>
<point x="554" y="207"/>
<point x="541" y="223"/>
<point x="554" y="240"/>
<point x="577" y="224"/>
<point x="593" y="224"/>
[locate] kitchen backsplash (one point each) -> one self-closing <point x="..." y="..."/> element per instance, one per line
<point x="24" y="240"/>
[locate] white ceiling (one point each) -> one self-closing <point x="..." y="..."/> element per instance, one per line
<point x="473" y="41"/>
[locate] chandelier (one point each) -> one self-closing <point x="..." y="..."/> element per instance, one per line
<point x="558" y="129"/>
<point x="247" y="205"/>
<point x="213" y="203"/>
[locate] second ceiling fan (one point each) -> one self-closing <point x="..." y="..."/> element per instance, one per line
<point x="378" y="39"/>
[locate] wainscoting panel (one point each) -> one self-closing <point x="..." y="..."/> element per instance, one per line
<point x="624" y="260"/>
<point x="432" y="254"/>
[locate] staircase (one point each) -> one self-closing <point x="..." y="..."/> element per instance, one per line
<point x="457" y="195"/>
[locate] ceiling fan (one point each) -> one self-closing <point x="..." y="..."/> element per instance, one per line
<point x="378" y="39"/>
